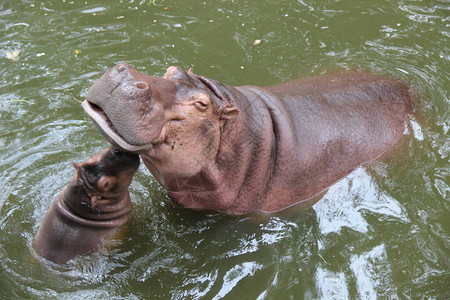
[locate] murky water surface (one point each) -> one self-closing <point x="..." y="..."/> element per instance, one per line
<point x="383" y="231"/>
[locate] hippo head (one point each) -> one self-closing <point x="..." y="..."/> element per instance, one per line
<point x="107" y="174"/>
<point x="173" y="122"/>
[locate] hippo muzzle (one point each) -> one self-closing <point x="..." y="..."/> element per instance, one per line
<point x="124" y="107"/>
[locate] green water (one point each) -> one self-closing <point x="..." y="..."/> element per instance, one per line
<point x="381" y="232"/>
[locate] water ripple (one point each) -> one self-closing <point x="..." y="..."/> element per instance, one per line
<point x="380" y="232"/>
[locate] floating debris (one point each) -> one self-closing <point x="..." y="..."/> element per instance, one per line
<point x="257" y="42"/>
<point x="149" y="2"/>
<point x="16" y="100"/>
<point x="323" y="258"/>
<point x="94" y="10"/>
<point x="13" y="55"/>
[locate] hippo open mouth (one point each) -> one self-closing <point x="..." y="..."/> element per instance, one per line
<point x="107" y="128"/>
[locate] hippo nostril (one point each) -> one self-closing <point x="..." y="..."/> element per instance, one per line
<point x="121" y="67"/>
<point x="142" y="85"/>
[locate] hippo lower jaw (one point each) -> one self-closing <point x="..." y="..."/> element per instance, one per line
<point x="105" y="126"/>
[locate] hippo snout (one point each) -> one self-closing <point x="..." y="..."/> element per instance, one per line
<point x="120" y="83"/>
<point x="122" y="73"/>
<point x="124" y="106"/>
<point x="127" y="83"/>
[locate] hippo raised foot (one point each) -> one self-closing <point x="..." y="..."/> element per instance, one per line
<point x="239" y="149"/>
<point x="94" y="204"/>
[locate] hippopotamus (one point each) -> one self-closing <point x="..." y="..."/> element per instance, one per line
<point x="93" y="205"/>
<point x="247" y="148"/>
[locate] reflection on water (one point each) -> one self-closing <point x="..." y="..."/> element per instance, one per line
<point x="380" y="232"/>
<point x="331" y="285"/>
<point x="236" y="274"/>
<point x="373" y="274"/>
<point x="346" y="202"/>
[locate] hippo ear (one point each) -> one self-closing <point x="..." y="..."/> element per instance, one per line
<point x="229" y="113"/>
<point x="223" y="97"/>
<point x="76" y="166"/>
<point x="174" y="72"/>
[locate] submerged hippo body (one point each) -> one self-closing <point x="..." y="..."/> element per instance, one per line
<point x="94" y="204"/>
<point x="239" y="149"/>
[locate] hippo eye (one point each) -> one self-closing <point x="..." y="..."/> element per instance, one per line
<point x="200" y="105"/>
<point x="104" y="183"/>
<point x="201" y="101"/>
